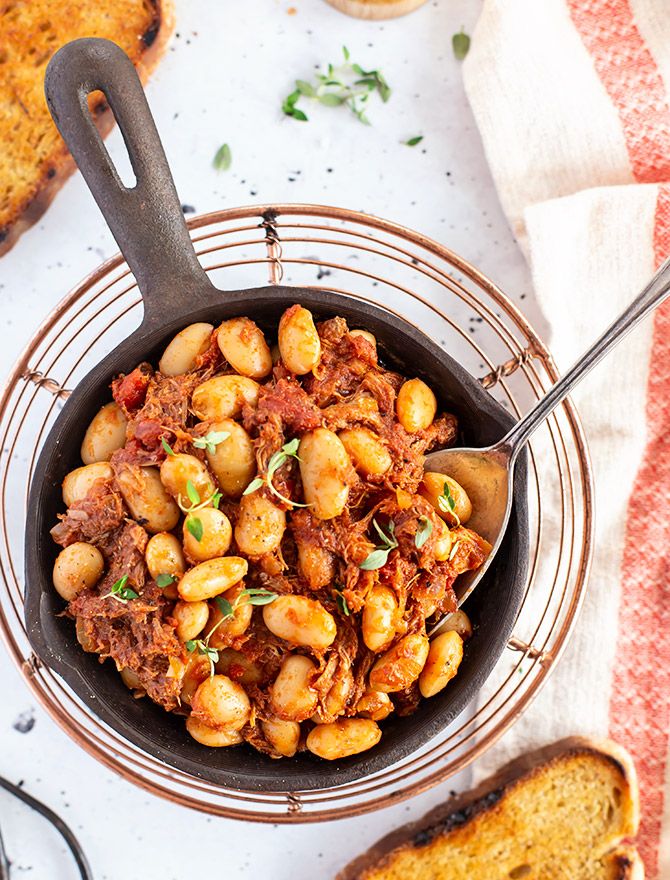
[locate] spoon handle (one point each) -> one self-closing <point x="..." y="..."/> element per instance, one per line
<point x="652" y="295"/>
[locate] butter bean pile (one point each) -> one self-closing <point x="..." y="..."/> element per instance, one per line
<point x="184" y="504"/>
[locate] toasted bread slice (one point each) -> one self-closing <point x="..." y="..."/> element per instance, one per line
<point x="34" y="161"/>
<point x="558" y="814"/>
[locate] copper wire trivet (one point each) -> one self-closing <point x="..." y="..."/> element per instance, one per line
<point x="348" y="252"/>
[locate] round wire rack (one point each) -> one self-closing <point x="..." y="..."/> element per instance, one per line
<point x="409" y="274"/>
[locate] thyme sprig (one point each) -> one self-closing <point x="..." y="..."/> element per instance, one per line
<point x="196" y="502"/>
<point x="279" y="458"/>
<point x="211" y="440"/>
<point x="380" y="554"/>
<point x="447" y="503"/>
<point x="250" y="596"/>
<point x="346" y="84"/>
<point x="121" y="592"/>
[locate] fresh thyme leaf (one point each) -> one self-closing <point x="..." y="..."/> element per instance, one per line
<point x="330" y="99"/>
<point x="166" y="446"/>
<point x="194" y="525"/>
<point x="380" y="554"/>
<point x="305" y="88"/>
<point x="413" y="141"/>
<point x="375" y="560"/>
<point x="345" y="52"/>
<point x="164" y="580"/>
<point x="192" y="492"/>
<point x="254" y="485"/>
<point x="382" y="87"/>
<point x="258" y="596"/>
<point x="211" y="440"/>
<point x="190" y="646"/>
<point x="223" y="158"/>
<point x="461" y="44"/>
<point x="341" y="602"/>
<point x="215" y="500"/>
<point x="424" y="532"/>
<point x="224" y="606"/>
<point x="289" y="107"/>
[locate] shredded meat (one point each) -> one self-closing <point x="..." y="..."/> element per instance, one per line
<point x="92" y="518"/>
<point x="134" y="634"/>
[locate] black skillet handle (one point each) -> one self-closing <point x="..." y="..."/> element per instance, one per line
<point x="146" y="220"/>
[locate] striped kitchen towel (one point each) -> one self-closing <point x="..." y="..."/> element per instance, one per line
<point x="572" y="99"/>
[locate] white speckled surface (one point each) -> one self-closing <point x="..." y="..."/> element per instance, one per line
<point x="223" y="81"/>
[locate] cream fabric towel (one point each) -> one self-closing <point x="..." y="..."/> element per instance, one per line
<point x="571" y="99"/>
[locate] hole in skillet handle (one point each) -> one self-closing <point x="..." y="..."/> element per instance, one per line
<point x="493" y="607"/>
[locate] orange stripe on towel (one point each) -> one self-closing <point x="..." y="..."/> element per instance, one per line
<point x="640" y="698"/>
<point x="631" y="78"/>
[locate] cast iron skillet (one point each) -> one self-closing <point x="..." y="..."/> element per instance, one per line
<point x="149" y="227"/>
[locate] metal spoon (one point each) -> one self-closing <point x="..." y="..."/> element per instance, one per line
<point x="487" y="474"/>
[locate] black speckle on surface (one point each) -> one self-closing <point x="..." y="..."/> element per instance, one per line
<point x="322" y="273"/>
<point x="25" y="722"/>
<point x="188" y="209"/>
<point x="51" y="173"/>
<point x="329" y="170"/>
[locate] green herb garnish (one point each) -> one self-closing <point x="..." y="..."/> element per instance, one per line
<point x="288" y="105"/>
<point x="447" y="503"/>
<point x="341" y="601"/>
<point x="121" y="592"/>
<point x="166" y="446"/>
<point x="461" y="44"/>
<point x="202" y="647"/>
<point x="250" y="596"/>
<point x="413" y="141"/>
<point x="164" y="580"/>
<point x="288" y="450"/>
<point x="195" y="503"/>
<point x="195" y="527"/>
<point x="345" y="85"/>
<point x="380" y="554"/>
<point x="223" y="158"/>
<point x="423" y="532"/>
<point x="211" y="440"/>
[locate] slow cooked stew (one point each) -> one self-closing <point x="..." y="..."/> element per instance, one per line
<point x="253" y="541"/>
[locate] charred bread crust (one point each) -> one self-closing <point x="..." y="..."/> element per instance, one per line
<point x="155" y="39"/>
<point x="628" y="864"/>
<point x="463" y="808"/>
